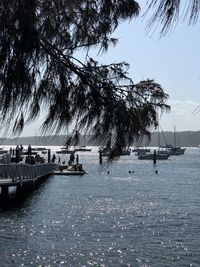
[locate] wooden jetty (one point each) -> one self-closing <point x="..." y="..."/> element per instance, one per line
<point x="22" y="175"/>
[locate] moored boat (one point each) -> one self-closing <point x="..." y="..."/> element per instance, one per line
<point x="106" y="152"/>
<point x="141" y="150"/>
<point x="65" y="151"/>
<point x="176" y="151"/>
<point x="151" y="156"/>
<point x="83" y="148"/>
<point x="126" y="152"/>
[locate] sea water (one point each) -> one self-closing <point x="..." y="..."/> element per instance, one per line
<point x="118" y="214"/>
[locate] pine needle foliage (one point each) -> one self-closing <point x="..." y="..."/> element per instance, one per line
<point x="168" y="12"/>
<point x="40" y="73"/>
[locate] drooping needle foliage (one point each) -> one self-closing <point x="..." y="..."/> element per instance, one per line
<point x="168" y="12"/>
<point x="41" y="71"/>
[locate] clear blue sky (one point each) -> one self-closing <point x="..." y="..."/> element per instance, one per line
<point x="173" y="61"/>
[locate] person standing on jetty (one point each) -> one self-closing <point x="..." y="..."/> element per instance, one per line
<point x="17" y="154"/>
<point x="21" y="148"/>
<point x="71" y="158"/>
<point x="53" y="158"/>
<point x="29" y="150"/>
<point x="20" y="152"/>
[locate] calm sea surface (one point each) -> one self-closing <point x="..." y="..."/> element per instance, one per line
<point x="116" y="219"/>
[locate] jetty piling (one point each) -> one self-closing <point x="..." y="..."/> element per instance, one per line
<point x="49" y="156"/>
<point x="154" y="157"/>
<point x="100" y="156"/>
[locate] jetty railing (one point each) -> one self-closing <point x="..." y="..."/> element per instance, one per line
<point x="5" y="158"/>
<point x="25" y="171"/>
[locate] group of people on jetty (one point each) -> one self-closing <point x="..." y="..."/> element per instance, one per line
<point x="32" y="158"/>
<point x="16" y="155"/>
<point x="75" y="166"/>
<point x="72" y="158"/>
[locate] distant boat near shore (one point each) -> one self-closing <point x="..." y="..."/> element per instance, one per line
<point x="82" y="148"/>
<point x="40" y="148"/>
<point x="150" y="156"/>
<point x="106" y="152"/>
<point x="65" y="151"/>
<point x="141" y="150"/>
<point x="173" y="150"/>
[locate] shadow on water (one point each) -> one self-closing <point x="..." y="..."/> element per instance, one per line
<point x="15" y="201"/>
<point x="23" y="199"/>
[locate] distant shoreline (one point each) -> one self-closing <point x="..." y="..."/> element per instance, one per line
<point x="186" y="139"/>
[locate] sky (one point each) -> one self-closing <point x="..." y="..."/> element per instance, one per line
<point x="172" y="60"/>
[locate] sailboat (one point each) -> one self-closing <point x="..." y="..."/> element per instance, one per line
<point x="163" y="149"/>
<point x="160" y="154"/>
<point x="174" y="149"/>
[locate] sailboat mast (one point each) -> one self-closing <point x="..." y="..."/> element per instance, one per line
<point x="163" y="137"/>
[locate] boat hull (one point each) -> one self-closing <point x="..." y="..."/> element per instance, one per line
<point x="152" y="156"/>
<point x="64" y="151"/>
<point x="66" y="173"/>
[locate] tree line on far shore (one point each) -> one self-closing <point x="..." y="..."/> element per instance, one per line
<point x="186" y="138"/>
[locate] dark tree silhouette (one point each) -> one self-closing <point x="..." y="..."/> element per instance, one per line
<point x="168" y="12"/>
<point x="40" y="71"/>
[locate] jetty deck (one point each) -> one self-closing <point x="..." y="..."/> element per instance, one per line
<point x="22" y="175"/>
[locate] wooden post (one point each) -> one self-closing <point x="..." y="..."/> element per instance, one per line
<point x="154" y="157"/>
<point x="100" y="156"/>
<point x="49" y="155"/>
<point x="4" y="191"/>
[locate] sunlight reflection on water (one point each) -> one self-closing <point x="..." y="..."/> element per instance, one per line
<point x="116" y="219"/>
